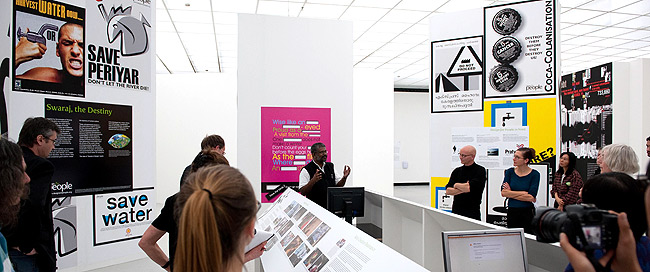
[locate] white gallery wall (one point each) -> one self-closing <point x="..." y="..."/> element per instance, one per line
<point x="191" y="106"/>
<point x="293" y="62"/>
<point x="411" y="137"/>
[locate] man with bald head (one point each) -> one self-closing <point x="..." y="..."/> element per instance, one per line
<point x="466" y="184"/>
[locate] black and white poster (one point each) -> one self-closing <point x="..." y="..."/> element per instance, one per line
<point x="93" y="152"/>
<point x="48" y="41"/>
<point x="122" y="216"/>
<point x="119" y="50"/>
<point x="457" y="75"/>
<point x="586" y="115"/>
<point x="520" y="49"/>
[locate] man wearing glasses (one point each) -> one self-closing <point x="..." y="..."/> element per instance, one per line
<point x="466" y="184"/>
<point x="31" y="241"/>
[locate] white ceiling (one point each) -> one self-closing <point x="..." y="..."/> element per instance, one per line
<point x="200" y="36"/>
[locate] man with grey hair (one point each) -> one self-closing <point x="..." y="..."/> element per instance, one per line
<point x="466" y="184"/>
<point x="318" y="175"/>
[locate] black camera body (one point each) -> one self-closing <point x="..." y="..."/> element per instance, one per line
<point x="586" y="226"/>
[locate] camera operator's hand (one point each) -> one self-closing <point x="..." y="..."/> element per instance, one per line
<point x="625" y="258"/>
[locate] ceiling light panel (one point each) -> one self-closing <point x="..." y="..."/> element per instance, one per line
<point x="331" y="2"/>
<point x="202" y="28"/>
<point x="410" y="39"/>
<point x="320" y="11"/>
<point x="375" y="3"/>
<point x="580" y="29"/>
<point x="162" y="15"/>
<point x="405" y="16"/>
<point x="376" y="36"/>
<point x="360" y="27"/>
<point x="390" y="27"/>
<point x="611" y="42"/>
<point x="635" y="35"/>
<point x="609" y="51"/>
<point x="460" y="5"/>
<point x="188" y="5"/>
<point x="226" y="18"/>
<point x="640" y="8"/>
<point x="609" y="32"/>
<point x="632" y="45"/>
<point x="239" y="6"/>
<point x="579" y="15"/>
<point x="636" y="23"/>
<point x="573" y="3"/>
<point x="585" y="40"/>
<point x="363" y="14"/>
<point x="289" y="9"/>
<point x="225" y="29"/>
<point x="196" y="43"/>
<point x="607" y="5"/>
<point x="610" y="19"/>
<point x="583" y="49"/>
<point x="165" y="27"/>
<point x="429" y="5"/>
<point x="190" y="16"/>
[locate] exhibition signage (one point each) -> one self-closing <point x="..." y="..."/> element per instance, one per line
<point x="457" y="75"/>
<point x="495" y="146"/>
<point x="122" y="216"/>
<point x="93" y="152"/>
<point x="520" y="49"/>
<point x="287" y="135"/>
<point x="586" y="115"/>
<point x="310" y="238"/>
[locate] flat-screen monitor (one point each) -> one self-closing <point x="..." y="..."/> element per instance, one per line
<point x="346" y="202"/>
<point x="485" y="250"/>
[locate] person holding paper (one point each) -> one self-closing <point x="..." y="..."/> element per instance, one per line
<point x="318" y="175"/>
<point x="520" y="185"/>
<point x="466" y="184"/>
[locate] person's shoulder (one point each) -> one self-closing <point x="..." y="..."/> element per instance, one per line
<point x="478" y="166"/>
<point x="47" y="74"/>
<point x="510" y="170"/>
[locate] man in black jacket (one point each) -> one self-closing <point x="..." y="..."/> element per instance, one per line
<point x="466" y="184"/>
<point x="318" y="174"/>
<point x="31" y="241"/>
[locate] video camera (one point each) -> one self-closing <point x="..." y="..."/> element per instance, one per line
<point x="587" y="227"/>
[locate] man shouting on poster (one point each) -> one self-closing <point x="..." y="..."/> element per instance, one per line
<point x="69" y="49"/>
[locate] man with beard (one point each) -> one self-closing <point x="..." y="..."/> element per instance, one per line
<point x="318" y="175"/>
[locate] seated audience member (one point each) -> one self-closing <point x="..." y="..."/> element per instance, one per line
<point x="567" y="182"/>
<point x="165" y="222"/>
<point x="618" y="158"/>
<point x="620" y="193"/>
<point x="216" y="209"/>
<point x="13" y="181"/>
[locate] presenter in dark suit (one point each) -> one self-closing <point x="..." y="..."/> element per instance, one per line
<point x="31" y="241"/>
<point x="318" y="175"/>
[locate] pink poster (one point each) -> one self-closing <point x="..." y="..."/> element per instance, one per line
<point x="287" y="136"/>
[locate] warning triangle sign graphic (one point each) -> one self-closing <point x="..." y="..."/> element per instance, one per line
<point x="466" y="63"/>
<point x="443" y="84"/>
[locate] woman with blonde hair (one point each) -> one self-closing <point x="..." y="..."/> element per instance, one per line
<point x="216" y="209"/>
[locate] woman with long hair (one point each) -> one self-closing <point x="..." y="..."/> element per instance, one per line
<point x="567" y="182"/>
<point x="216" y="209"/>
<point x="520" y="185"/>
<point x="13" y="184"/>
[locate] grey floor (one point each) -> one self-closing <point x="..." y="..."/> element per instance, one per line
<point x="418" y="194"/>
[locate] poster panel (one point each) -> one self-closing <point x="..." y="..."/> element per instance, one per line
<point x="48" y="41"/>
<point x="495" y="146"/>
<point x="586" y="115"/>
<point x="538" y="114"/>
<point x="122" y="216"/>
<point x="310" y="238"/>
<point x="457" y="75"/>
<point x="64" y="215"/>
<point x="287" y="135"/>
<point x="119" y="49"/>
<point x="520" y="49"/>
<point x="93" y="153"/>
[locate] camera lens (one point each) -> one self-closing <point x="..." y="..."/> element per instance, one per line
<point x="548" y="223"/>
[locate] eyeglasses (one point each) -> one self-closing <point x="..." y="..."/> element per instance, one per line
<point x="53" y="141"/>
<point x="464" y="155"/>
<point x="517" y="157"/>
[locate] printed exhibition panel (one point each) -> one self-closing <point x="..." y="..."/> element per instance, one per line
<point x="119" y="47"/>
<point x="287" y="136"/>
<point x="457" y="75"/>
<point x="495" y="146"/>
<point x="64" y="214"/>
<point x="520" y="49"/>
<point x="586" y="115"/>
<point x="93" y="153"/>
<point x="537" y="113"/>
<point x="48" y="40"/>
<point x="122" y="216"/>
<point x="310" y="238"/>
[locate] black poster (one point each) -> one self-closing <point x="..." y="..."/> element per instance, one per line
<point x="93" y="153"/>
<point x="48" y="43"/>
<point x="586" y="115"/>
